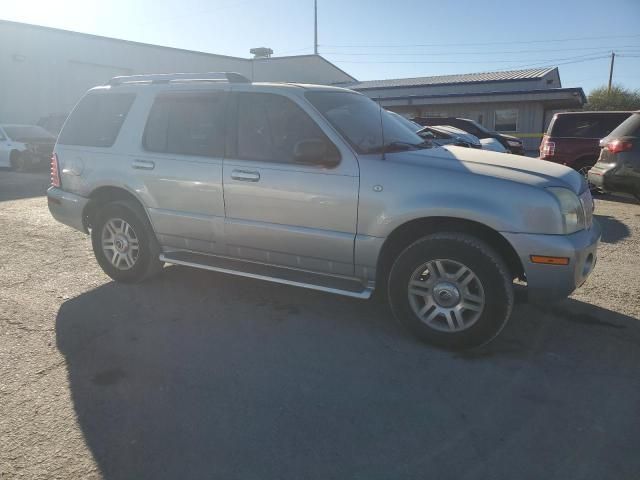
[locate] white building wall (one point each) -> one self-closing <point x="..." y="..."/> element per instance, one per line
<point x="45" y="71"/>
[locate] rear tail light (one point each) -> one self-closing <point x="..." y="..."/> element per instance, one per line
<point x="547" y="149"/>
<point x="618" y="146"/>
<point x="55" y="171"/>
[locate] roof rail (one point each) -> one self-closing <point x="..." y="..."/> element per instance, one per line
<point x="230" y="77"/>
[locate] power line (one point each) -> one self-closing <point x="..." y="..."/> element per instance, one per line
<point x="533" y="62"/>
<point x="476" y="43"/>
<point x="607" y="49"/>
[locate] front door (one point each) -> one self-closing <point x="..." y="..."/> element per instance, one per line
<point x="280" y="212"/>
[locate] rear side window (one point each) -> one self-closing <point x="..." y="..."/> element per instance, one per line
<point x="629" y="128"/>
<point x="96" y="120"/>
<point x="187" y="124"/>
<point x="586" y="125"/>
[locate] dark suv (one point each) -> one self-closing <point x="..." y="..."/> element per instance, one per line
<point x="618" y="168"/>
<point x="573" y="138"/>
<point x="511" y="143"/>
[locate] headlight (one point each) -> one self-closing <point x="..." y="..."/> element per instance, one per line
<point x="570" y="208"/>
<point x="513" y="143"/>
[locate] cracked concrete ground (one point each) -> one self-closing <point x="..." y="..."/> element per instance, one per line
<point x="199" y="375"/>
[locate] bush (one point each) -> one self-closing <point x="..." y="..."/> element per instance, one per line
<point x="619" y="98"/>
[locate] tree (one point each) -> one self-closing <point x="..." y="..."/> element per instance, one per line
<point x="619" y="98"/>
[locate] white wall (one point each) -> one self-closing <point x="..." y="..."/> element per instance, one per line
<point x="45" y="71"/>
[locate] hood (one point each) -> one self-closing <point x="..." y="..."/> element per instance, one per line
<point x="510" y="137"/>
<point x="515" y="168"/>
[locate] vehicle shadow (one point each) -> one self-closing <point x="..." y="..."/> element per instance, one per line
<point x="16" y="186"/>
<point x="613" y="230"/>
<point x="200" y="375"/>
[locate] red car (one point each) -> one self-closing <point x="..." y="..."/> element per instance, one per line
<point x="573" y="138"/>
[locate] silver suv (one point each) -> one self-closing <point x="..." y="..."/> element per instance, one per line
<point x="317" y="187"/>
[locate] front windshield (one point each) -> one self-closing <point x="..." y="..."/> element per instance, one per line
<point x="363" y="123"/>
<point x="22" y="133"/>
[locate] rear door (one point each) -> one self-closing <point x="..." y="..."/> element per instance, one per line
<point x="280" y="212"/>
<point x="179" y="164"/>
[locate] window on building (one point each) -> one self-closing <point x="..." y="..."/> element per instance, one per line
<point x="97" y="119"/>
<point x="506" y="120"/>
<point x="187" y="124"/>
<point x="270" y="126"/>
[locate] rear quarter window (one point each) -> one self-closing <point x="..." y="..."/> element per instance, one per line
<point x="96" y="120"/>
<point x="586" y="125"/>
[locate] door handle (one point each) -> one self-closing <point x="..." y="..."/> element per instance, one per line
<point x="245" y="175"/>
<point x="143" y="165"/>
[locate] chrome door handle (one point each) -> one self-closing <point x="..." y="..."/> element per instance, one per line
<point x="143" y="165"/>
<point x="245" y="175"/>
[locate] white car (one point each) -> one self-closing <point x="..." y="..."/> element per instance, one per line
<point x="25" y="146"/>
<point x="493" y="145"/>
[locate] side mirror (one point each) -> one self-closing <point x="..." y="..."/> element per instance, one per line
<point x="314" y="151"/>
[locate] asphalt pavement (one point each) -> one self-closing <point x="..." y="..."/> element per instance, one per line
<point x="197" y="375"/>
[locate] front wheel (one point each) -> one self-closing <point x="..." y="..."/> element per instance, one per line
<point x="451" y="290"/>
<point x="124" y="244"/>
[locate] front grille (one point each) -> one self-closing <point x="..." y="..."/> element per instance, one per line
<point x="587" y="204"/>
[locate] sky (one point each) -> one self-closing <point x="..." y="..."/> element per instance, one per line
<point x="377" y="39"/>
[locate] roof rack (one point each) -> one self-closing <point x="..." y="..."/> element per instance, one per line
<point x="230" y="77"/>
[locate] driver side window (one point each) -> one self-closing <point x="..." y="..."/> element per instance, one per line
<point x="270" y="126"/>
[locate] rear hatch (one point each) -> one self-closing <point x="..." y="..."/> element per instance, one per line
<point x="573" y="137"/>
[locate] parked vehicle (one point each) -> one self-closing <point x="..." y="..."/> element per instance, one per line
<point x="25" y="146"/>
<point x="53" y="123"/>
<point x="440" y="135"/>
<point x="493" y="145"/>
<point x="618" y="167"/>
<point x="511" y="144"/>
<point x="455" y="135"/>
<point x="317" y="187"/>
<point x="573" y="138"/>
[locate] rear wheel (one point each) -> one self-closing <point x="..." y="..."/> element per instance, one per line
<point x="451" y="290"/>
<point x="124" y="244"/>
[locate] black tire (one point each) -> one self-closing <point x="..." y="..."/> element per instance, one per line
<point x="146" y="263"/>
<point x="17" y="161"/>
<point x="489" y="270"/>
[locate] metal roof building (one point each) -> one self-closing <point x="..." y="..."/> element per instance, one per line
<point x="518" y="101"/>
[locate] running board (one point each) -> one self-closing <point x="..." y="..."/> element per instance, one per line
<point x="286" y="276"/>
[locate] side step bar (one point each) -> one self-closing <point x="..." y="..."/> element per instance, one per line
<point x="286" y="276"/>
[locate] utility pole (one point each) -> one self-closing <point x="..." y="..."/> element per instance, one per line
<point x="315" y="27"/>
<point x="613" y="57"/>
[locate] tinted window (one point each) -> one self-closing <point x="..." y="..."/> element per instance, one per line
<point x="363" y="123"/>
<point x="96" y="120"/>
<point x="269" y="126"/>
<point x="629" y="128"/>
<point x="586" y="125"/>
<point x="187" y="124"/>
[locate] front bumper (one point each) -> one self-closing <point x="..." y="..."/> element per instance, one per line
<point x="67" y="208"/>
<point x="554" y="282"/>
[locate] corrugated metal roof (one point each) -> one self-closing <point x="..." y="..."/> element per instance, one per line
<point x="529" y="74"/>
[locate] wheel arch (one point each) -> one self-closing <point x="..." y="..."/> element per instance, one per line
<point x="107" y="194"/>
<point x="404" y="235"/>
